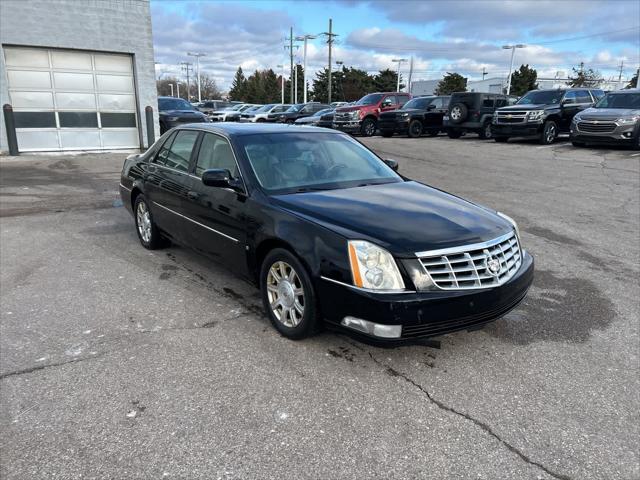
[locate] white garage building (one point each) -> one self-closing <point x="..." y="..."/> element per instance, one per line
<point x="77" y="73"/>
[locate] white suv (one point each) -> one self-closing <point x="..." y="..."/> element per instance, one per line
<point x="265" y="113"/>
<point x="221" y="115"/>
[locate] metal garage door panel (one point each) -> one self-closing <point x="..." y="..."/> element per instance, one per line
<point x="32" y="100"/>
<point x="29" y="79"/>
<point x="26" y="57"/>
<point x="37" y="140"/>
<point x="75" y="101"/>
<point x="113" y="63"/>
<point x="115" y="83"/>
<point x="71" y="60"/>
<point x="79" y="140"/>
<point x="109" y="101"/>
<point x="73" y="81"/>
<point x="122" y="138"/>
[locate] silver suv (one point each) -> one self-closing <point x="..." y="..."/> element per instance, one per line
<point x="614" y="119"/>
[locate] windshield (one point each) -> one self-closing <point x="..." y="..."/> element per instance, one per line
<point x="253" y="109"/>
<point x="244" y="108"/>
<point x="293" y="162"/>
<point x="322" y="112"/>
<point x="620" y="100"/>
<point x="370" y="99"/>
<point x="174" y="104"/>
<point x="541" y="97"/>
<point x="264" y="108"/>
<point x="296" y="108"/>
<point x="420" y="103"/>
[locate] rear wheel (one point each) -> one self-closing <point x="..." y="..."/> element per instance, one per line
<point x="288" y="295"/>
<point x="148" y="232"/>
<point x="485" y="133"/>
<point x="549" y="133"/>
<point x="386" y="133"/>
<point x="454" y="133"/>
<point x="415" y="128"/>
<point x="368" y="128"/>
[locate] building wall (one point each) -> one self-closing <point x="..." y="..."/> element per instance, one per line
<point x="117" y="26"/>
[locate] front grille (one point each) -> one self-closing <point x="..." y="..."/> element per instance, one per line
<point x="599" y="127"/>
<point x="342" y="117"/>
<point x="513" y="116"/>
<point x="470" y="266"/>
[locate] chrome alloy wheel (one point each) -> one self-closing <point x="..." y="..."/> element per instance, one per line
<point x="285" y="294"/>
<point x="143" y="219"/>
<point x="551" y="133"/>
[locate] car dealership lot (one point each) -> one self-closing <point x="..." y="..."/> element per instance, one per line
<point x="117" y="362"/>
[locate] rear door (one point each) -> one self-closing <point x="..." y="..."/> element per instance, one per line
<point x="217" y="214"/>
<point x="166" y="182"/>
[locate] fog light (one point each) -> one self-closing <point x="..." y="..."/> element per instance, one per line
<point x="375" y="329"/>
<point x="627" y="134"/>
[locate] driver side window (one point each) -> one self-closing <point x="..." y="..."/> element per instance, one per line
<point x="570" y="98"/>
<point x="215" y="153"/>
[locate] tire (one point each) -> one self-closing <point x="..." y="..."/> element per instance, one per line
<point x="578" y="144"/>
<point x="501" y="139"/>
<point x="485" y="132"/>
<point x="368" y="127"/>
<point x="415" y="129"/>
<point x="147" y="231"/>
<point x="458" y="113"/>
<point x="454" y="134"/>
<point x="295" y="314"/>
<point x="386" y="133"/>
<point x="549" y="133"/>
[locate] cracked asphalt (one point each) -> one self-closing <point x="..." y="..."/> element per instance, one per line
<point x="117" y="362"/>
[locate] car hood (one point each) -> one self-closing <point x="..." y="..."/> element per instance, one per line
<point x="181" y="113"/>
<point x="529" y="106"/>
<point x="608" y="113"/>
<point x="352" y="108"/>
<point x="307" y="119"/>
<point x="403" y="217"/>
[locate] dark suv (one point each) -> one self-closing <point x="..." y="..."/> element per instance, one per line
<point x="173" y="111"/>
<point x="300" y="110"/>
<point x="417" y="116"/>
<point x="542" y="113"/>
<point x="473" y="112"/>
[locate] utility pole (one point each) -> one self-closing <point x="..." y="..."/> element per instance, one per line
<point x="410" y="74"/>
<point x="484" y="72"/>
<point x="330" y="36"/>
<point x="198" y="55"/>
<point x="295" y="74"/>
<point x="281" y="84"/>
<point x="186" y="66"/>
<point x="291" y="47"/>
<point x="304" y="38"/>
<point x="637" y="78"/>
<point x="399" y="62"/>
<point x="513" y="51"/>
<point x="620" y="74"/>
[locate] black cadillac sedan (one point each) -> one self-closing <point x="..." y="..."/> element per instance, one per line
<point x="330" y="232"/>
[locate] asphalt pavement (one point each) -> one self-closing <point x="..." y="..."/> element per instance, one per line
<point x="118" y="362"/>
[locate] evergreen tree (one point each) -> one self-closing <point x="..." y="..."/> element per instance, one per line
<point x="270" y="87"/>
<point x="355" y="84"/>
<point x="387" y="81"/>
<point x="254" y="91"/>
<point x="451" y="82"/>
<point x="523" y="80"/>
<point x="633" y="83"/>
<point x="238" y="86"/>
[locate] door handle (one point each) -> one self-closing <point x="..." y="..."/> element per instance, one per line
<point x="193" y="195"/>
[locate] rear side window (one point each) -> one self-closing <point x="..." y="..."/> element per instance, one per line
<point x="215" y="152"/>
<point x="177" y="155"/>
<point x="570" y="97"/>
<point x="582" y="96"/>
<point x="402" y="99"/>
<point x="597" y="94"/>
<point x="488" y="102"/>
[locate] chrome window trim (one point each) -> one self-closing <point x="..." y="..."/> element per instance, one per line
<point x="127" y="189"/>
<point x="465" y="248"/>
<point x="361" y="289"/>
<point x="197" y="223"/>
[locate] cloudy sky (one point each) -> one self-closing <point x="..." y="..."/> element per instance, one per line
<point x="464" y="36"/>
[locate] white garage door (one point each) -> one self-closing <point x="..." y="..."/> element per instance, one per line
<point x="72" y="100"/>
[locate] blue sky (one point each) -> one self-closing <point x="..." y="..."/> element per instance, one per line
<point x="456" y="35"/>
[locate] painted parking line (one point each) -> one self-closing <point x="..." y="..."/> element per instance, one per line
<point x="635" y="154"/>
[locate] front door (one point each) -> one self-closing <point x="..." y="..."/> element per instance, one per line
<point x="217" y="213"/>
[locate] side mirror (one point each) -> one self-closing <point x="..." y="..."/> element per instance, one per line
<point x="431" y="106"/>
<point x="393" y="164"/>
<point x="217" y="177"/>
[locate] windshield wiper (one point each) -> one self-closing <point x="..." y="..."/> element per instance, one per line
<point x="310" y="189"/>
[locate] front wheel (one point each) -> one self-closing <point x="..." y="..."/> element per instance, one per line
<point x="485" y="133"/>
<point x="415" y="129"/>
<point x="288" y="295"/>
<point x="368" y="128"/>
<point x="549" y="133"/>
<point x="148" y="232"/>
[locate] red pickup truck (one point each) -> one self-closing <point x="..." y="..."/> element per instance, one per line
<point x="362" y="117"/>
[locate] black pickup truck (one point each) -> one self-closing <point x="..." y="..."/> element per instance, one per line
<point x="417" y="116"/>
<point x="542" y="114"/>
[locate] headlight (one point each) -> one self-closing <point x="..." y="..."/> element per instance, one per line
<point x="373" y="267"/>
<point x="628" y="120"/>
<point x="172" y="119"/>
<point x="535" y="114"/>
<point x="575" y="119"/>
<point x="404" y="115"/>
<point x="512" y="222"/>
<point x="355" y="114"/>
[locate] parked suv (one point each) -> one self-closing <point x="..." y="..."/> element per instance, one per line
<point x="221" y="115"/>
<point x="542" y="113"/>
<point x="301" y="110"/>
<point x="210" y="106"/>
<point x="362" y="116"/>
<point x="473" y="112"/>
<point x="418" y="115"/>
<point x="263" y="113"/>
<point x="173" y="111"/>
<point x="614" y="119"/>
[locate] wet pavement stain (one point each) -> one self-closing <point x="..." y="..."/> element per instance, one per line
<point x="553" y="236"/>
<point x="556" y="309"/>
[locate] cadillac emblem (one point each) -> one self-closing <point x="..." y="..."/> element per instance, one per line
<point x="493" y="265"/>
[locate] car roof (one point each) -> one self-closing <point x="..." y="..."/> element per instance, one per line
<point x="233" y="129"/>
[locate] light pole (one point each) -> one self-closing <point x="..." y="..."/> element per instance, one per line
<point x="513" y="51"/>
<point x="178" y="89"/>
<point x="198" y="55"/>
<point x="171" y="87"/>
<point x="282" y="84"/>
<point x="399" y="62"/>
<point x="339" y="63"/>
<point x="304" y="61"/>
<point x="295" y="76"/>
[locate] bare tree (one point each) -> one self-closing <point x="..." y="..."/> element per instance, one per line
<point x="208" y="87"/>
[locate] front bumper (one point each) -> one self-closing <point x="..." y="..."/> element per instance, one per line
<point x="394" y="125"/>
<point x="622" y="134"/>
<point x="516" y="130"/>
<point x="348" y="126"/>
<point x="425" y="314"/>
